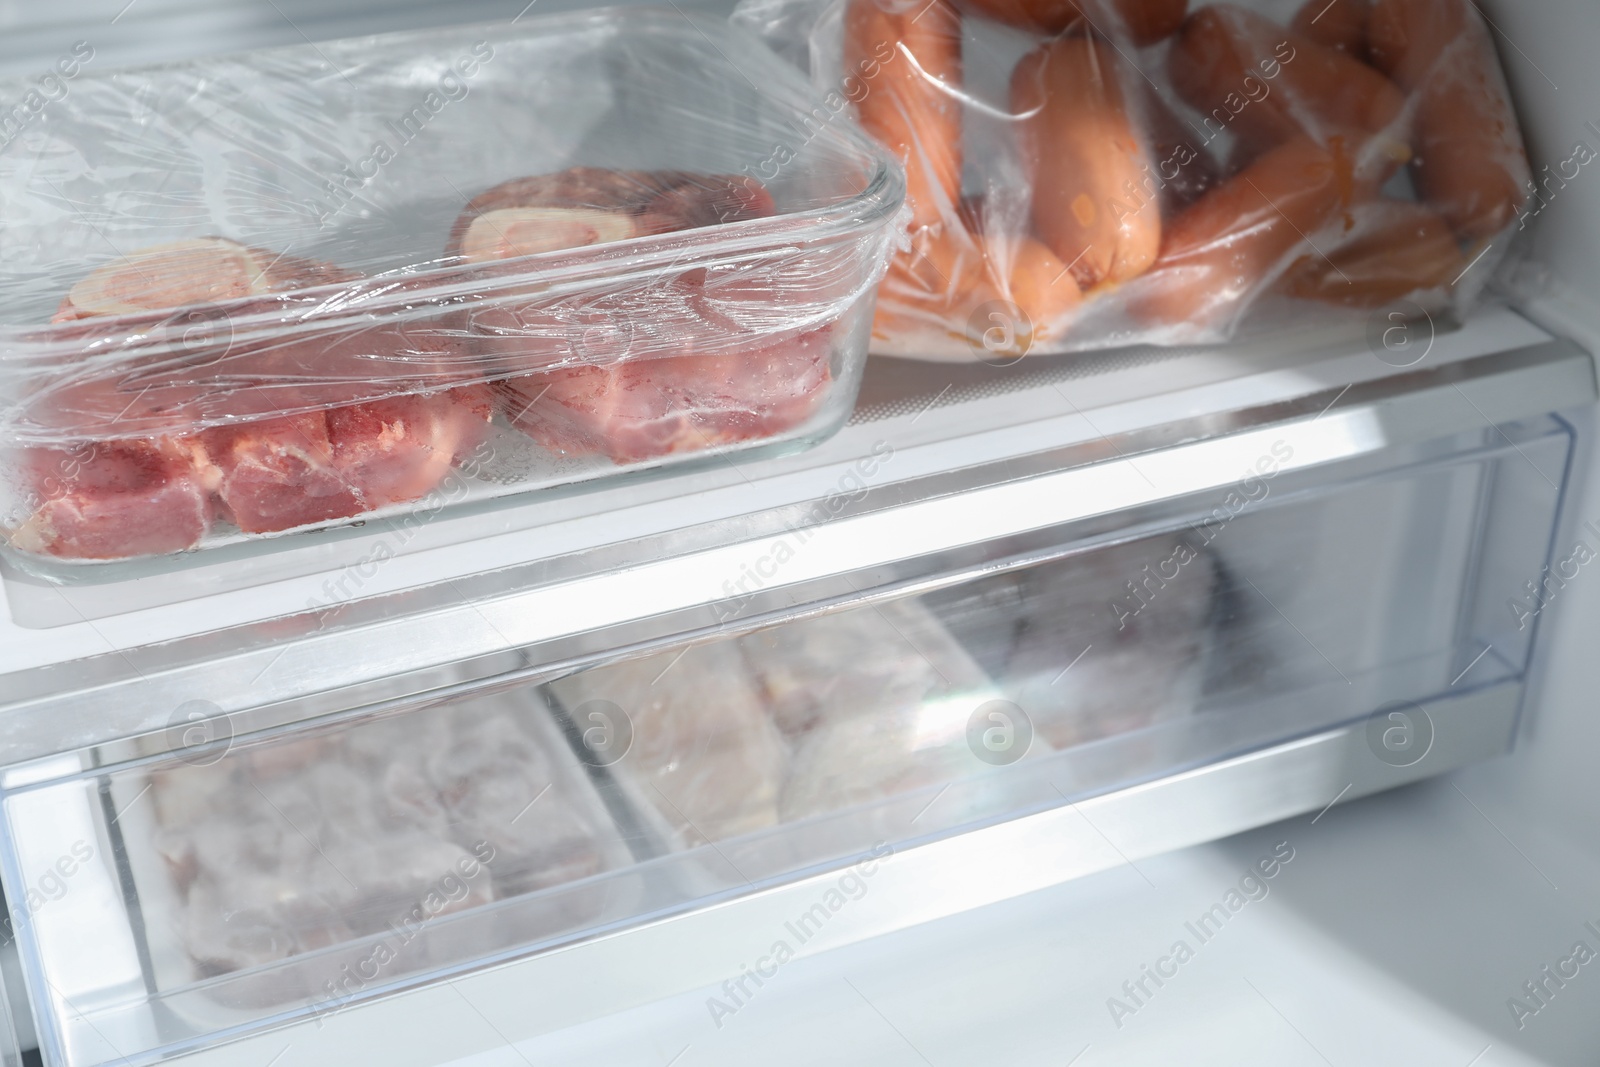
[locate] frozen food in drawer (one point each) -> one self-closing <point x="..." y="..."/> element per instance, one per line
<point x="852" y="721"/>
<point x="265" y="293"/>
<point x="1289" y="604"/>
<point x="304" y="872"/>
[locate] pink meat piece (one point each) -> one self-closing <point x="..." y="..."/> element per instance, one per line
<point x="278" y="474"/>
<point x="114" y="499"/>
<point x="646" y="385"/>
<point x="692" y="202"/>
<point x="268" y="470"/>
<point x="400" y="449"/>
<point x="645" y="408"/>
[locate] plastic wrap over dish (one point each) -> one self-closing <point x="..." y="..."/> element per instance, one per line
<point x="1092" y="173"/>
<point x="259" y="293"/>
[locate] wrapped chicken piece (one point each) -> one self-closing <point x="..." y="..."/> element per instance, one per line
<point x="393" y="753"/>
<point x="873" y="702"/>
<point x="807" y="670"/>
<point x="704" y="752"/>
<point x="400" y="878"/>
<point x="798" y="720"/>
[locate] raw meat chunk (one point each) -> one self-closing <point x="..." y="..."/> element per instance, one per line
<point x="662" y="369"/>
<point x="644" y="408"/>
<point x="268" y="474"/>
<point x="591" y="205"/>
<point x="112" y="499"/>
<point x="204" y="270"/>
<point x="693" y="201"/>
<point x="401" y="448"/>
<point x="281" y="473"/>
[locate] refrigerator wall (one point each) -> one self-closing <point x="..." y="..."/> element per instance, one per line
<point x="1546" y="47"/>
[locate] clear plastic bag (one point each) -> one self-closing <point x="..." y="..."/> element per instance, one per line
<point x="1092" y="173"/>
<point x="260" y="293"/>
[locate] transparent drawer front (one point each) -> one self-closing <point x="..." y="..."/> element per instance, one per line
<point x="165" y="905"/>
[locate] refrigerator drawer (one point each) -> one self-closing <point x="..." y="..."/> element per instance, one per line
<point x="674" y="806"/>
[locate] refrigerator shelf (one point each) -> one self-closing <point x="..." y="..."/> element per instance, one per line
<point x="944" y="469"/>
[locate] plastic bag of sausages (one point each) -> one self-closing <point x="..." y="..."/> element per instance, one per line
<point x="1087" y="174"/>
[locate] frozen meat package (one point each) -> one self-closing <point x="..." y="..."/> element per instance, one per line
<point x="846" y="710"/>
<point x="1114" y="640"/>
<point x="813" y="716"/>
<point x="291" y="863"/>
<point x="1087" y="174"/>
<point x="253" y="294"/>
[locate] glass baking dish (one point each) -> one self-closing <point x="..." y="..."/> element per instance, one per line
<point x="287" y="289"/>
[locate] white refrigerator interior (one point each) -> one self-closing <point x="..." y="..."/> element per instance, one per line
<point x="1141" y="707"/>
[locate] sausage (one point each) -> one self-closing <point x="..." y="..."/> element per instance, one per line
<point x="1185" y="171"/>
<point x="911" y="103"/>
<point x="1266" y="84"/>
<point x="953" y="271"/>
<point x="1337" y="24"/>
<point x="1396" y="247"/>
<point x="1407" y="38"/>
<point x="1470" y="162"/>
<point x="1144" y="21"/>
<point x="1041" y="286"/>
<point x="1094" y="191"/>
<point x="1218" y="253"/>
